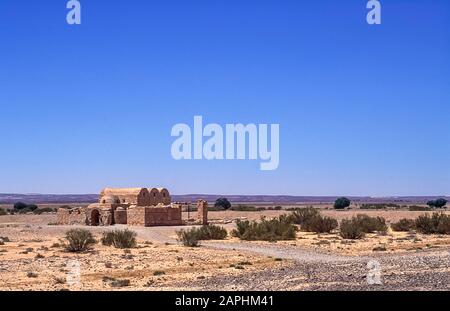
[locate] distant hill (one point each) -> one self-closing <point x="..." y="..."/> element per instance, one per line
<point x="262" y="199"/>
<point x="48" y="198"/>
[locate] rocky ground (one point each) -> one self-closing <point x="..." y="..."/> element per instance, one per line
<point x="35" y="259"/>
<point x="423" y="270"/>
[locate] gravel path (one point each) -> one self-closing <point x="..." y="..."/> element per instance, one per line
<point x="419" y="271"/>
<point x="281" y="251"/>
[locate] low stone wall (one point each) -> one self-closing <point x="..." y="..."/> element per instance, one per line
<point x="136" y="216"/>
<point x="154" y="216"/>
<point x="75" y="216"/>
<point x="162" y="216"/>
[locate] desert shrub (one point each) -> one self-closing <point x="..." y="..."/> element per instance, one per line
<point x="320" y="224"/>
<point x="302" y="215"/>
<point x="23" y="208"/>
<point x="379" y="206"/>
<point x="275" y="208"/>
<point x="417" y="208"/>
<point x="213" y="209"/>
<point x="116" y="282"/>
<point x="279" y="228"/>
<point x="403" y="225"/>
<point x="119" y="238"/>
<point x="44" y="210"/>
<point x="211" y="232"/>
<point x="380" y="248"/>
<point x="438" y="223"/>
<point x="3" y="212"/>
<point x="371" y="224"/>
<point x="79" y="240"/>
<point x="120" y="283"/>
<point x="351" y="229"/>
<point x="20" y="205"/>
<point x="244" y="208"/>
<point x="192" y="236"/>
<point x="222" y="203"/>
<point x="293" y="209"/>
<point x="341" y="203"/>
<point x="32" y="275"/>
<point x="310" y="220"/>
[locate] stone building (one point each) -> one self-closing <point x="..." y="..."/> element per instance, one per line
<point x="132" y="206"/>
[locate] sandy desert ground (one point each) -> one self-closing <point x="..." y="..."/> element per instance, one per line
<point x="34" y="259"/>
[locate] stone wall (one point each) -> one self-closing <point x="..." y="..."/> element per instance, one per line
<point x="120" y="216"/>
<point x="136" y="216"/>
<point x="74" y="216"/>
<point x="154" y="216"/>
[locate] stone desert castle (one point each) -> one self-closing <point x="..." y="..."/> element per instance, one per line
<point x="132" y="206"/>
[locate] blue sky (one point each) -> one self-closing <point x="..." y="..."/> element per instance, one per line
<point x="363" y="110"/>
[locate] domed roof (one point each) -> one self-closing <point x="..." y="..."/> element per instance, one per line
<point x="109" y="199"/>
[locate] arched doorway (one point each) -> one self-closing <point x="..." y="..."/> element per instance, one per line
<point x="95" y="217"/>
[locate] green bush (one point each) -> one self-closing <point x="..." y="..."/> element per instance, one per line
<point x="438" y="223"/>
<point x="23" y="208"/>
<point x="279" y="228"/>
<point x="119" y="238"/>
<point x="403" y="225"/>
<point x="341" y="203"/>
<point x="439" y="203"/>
<point x="351" y="229"/>
<point x="191" y="237"/>
<point x="79" y="240"/>
<point x="222" y="203"/>
<point x="3" y="212"/>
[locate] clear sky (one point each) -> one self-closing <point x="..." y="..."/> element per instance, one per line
<point x="363" y="110"/>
